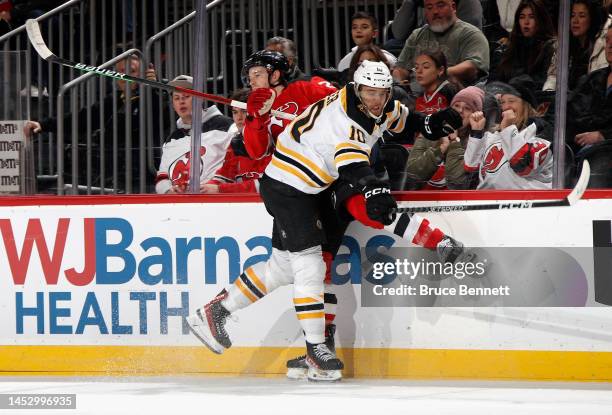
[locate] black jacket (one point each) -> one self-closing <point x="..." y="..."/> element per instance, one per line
<point x="589" y="107"/>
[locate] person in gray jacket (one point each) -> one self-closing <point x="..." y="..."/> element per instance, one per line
<point x="410" y="16"/>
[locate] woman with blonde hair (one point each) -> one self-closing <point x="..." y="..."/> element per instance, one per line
<point x="514" y="157"/>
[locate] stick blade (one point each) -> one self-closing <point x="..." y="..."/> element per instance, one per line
<point x="37" y="40"/>
<point x="581" y="184"/>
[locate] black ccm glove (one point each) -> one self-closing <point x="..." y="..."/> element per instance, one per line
<point x="380" y="205"/>
<point x="441" y="124"/>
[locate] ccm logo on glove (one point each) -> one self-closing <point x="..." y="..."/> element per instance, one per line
<point x="380" y="190"/>
<point x="380" y="205"/>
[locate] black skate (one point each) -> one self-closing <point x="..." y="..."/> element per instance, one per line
<point x="323" y="365"/>
<point x="208" y="324"/>
<point x="297" y="369"/>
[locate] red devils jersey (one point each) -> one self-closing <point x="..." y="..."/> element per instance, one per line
<point x="260" y="133"/>
<point x="430" y="104"/>
<point x="239" y="173"/>
<point x="439" y="100"/>
<point x="295" y="98"/>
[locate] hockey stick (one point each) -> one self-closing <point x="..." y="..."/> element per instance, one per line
<point x="39" y="44"/>
<point x="571" y="199"/>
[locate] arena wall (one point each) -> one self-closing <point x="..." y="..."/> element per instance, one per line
<point x="99" y="285"/>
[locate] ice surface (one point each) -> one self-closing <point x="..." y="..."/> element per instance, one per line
<point x="275" y="395"/>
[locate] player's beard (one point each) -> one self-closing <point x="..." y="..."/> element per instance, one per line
<point x="442" y="27"/>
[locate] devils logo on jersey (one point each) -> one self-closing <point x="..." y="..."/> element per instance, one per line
<point x="494" y="156"/>
<point x="289" y="107"/>
<point x="278" y="124"/>
<point x="179" y="169"/>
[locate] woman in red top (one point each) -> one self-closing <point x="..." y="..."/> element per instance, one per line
<point x="425" y="166"/>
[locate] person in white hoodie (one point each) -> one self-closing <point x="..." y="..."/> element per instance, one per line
<point x="513" y="157"/>
<point x="173" y="173"/>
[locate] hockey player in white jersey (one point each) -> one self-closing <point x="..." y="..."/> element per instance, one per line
<point x="331" y="140"/>
<point x="513" y="157"/>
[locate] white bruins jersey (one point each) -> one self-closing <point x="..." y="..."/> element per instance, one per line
<point x="332" y="133"/>
<point x="510" y="159"/>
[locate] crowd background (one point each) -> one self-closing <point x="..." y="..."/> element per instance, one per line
<point x="498" y="58"/>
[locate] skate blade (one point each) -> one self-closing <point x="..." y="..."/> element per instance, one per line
<point x="295" y="373"/>
<point x="196" y="327"/>
<point x="318" y="375"/>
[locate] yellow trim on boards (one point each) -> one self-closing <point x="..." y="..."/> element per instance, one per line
<point x="375" y="362"/>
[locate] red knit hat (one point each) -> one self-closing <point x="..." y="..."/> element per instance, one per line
<point x="6" y="5"/>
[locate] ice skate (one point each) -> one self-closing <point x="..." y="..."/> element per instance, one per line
<point x="208" y="324"/>
<point x="323" y="365"/>
<point x="297" y="368"/>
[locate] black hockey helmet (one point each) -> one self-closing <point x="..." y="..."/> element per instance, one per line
<point x="270" y="60"/>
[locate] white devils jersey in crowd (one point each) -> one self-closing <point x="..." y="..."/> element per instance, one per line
<point x="510" y="159"/>
<point x="175" y="161"/>
<point x="330" y="134"/>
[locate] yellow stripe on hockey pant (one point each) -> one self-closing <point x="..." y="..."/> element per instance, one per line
<point x="306" y="300"/>
<point x="255" y="280"/>
<point x="304" y="316"/>
<point x="308" y="163"/>
<point x="245" y="290"/>
<point x="99" y="360"/>
<point x="351" y="157"/>
<point x="295" y="172"/>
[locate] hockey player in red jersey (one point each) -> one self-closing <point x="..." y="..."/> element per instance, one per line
<point x="266" y="73"/>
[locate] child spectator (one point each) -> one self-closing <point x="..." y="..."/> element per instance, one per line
<point x="239" y="173"/>
<point x="440" y="163"/>
<point x="364" y="29"/>
<point x="173" y="173"/>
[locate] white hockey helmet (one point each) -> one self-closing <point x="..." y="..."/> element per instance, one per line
<point x="374" y="75"/>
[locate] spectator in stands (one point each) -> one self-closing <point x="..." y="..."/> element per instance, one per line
<point x="173" y="173"/>
<point x="465" y="47"/>
<point x="439" y="164"/>
<point x="364" y="29"/>
<point x="514" y="157"/>
<point x="104" y="144"/>
<point x="410" y="16"/>
<point x="239" y="172"/>
<point x="531" y="46"/>
<point x="590" y="113"/>
<point x="587" y="39"/>
<point x="430" y="73"/>
<point x="6" y="16"/>
<point x="287" y="47"/>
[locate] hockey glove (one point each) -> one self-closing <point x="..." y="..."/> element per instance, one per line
<point x="441" y="124"/>
<point x="380" y="205"/>
<point x="260" y="102"/>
